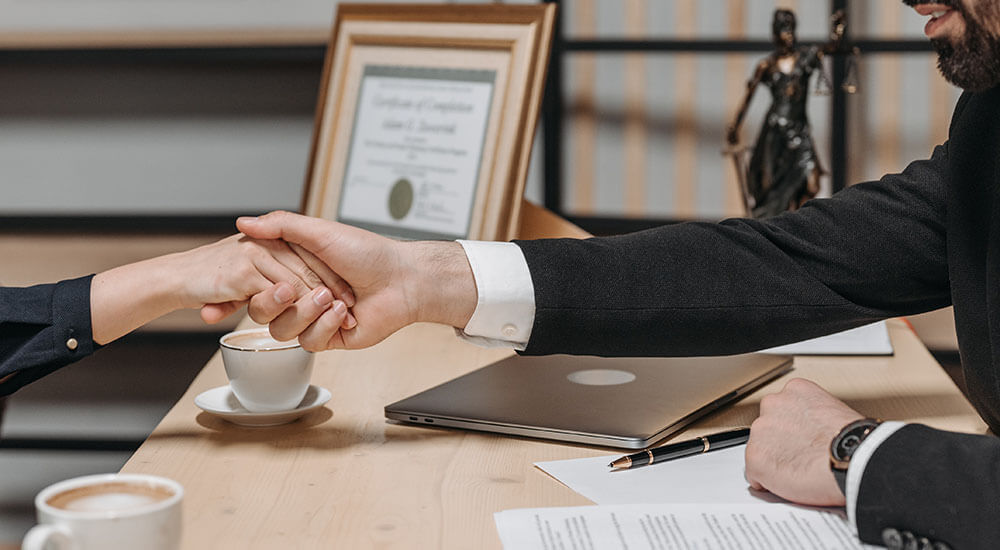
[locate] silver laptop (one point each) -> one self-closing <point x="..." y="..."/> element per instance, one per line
<point x="616" y="402"/>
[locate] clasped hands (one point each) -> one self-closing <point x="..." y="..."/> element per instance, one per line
<point x="347" y="288"/>
<point x="373" y="286"/>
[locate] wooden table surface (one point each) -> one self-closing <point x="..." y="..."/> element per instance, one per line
<point x="344" y="477"/>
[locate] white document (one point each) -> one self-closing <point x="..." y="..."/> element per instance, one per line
<point x="870" y="339"/>
<point x="675" y="526"/>
<point x="414" y="157"/>
<point x="712" y="477"/>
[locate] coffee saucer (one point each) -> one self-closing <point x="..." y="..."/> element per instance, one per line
<point x="223" y="403"/>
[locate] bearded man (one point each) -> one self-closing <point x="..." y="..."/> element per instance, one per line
<point x="911" y="242"/>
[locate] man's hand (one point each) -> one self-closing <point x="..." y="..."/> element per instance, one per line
<point x="788" y="452"/>
<point x="394" y="283"/>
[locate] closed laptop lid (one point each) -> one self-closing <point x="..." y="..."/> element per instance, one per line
<point x="618" y="402"/>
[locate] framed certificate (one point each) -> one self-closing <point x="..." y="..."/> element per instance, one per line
<point x="426" y="116"/>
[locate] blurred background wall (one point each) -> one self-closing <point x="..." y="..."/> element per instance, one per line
<point x="200" y="131"/>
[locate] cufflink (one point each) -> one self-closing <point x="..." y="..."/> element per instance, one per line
<point x="509" y="330"/>
<point x="72" y="344"/>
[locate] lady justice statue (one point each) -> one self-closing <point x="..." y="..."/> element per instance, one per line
<point x="784" y="170"/>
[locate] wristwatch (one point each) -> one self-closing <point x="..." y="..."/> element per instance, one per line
<point x="843" y="446"/>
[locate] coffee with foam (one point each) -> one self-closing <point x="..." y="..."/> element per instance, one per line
<point x="109" y="497"/>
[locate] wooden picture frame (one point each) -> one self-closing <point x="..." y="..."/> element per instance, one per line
<point x="426" y="117"/>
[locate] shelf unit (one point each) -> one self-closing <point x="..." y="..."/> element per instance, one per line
<point x="553" y="106"/>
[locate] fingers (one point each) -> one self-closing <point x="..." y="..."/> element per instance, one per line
<point x="341" y="290"/>
<point x="324" y="333"/>
<point x="753" y="457"/>
<point x="295" y="263"/>
<point x="300" y="277"/>
<point x="213" y="313"/>
<point x="309" y="238"/>
<point x="312" y="233"/>
<point x="270" y="303"/>
<point x="297" y="318"/>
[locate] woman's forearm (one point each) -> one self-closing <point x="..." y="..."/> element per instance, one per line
<point x="127" y="297"/>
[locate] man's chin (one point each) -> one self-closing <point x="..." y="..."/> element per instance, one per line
<point x="965" y="81"/>
<point x="973" y="65"/>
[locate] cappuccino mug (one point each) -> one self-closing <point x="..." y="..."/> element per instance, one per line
<point x="108" y="512"/>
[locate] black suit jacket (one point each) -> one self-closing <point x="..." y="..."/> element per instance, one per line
<point x="36" y="323"/>
<point x="908" y="243"/>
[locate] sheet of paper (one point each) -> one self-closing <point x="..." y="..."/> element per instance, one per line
<point x="710" y="478"/>
<point x="675" y="526"/>
<point x="870" y="339"/>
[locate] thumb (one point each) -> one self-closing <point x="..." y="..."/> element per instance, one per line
<point x="310" y="233"/>
<point x="213" y="313"/>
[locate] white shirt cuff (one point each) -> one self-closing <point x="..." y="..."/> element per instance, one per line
<point x="859" y="460"/>
<point x="505" y="308"/>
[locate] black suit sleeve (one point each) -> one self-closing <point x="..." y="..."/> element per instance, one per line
<point x="37" y="325"/>
<point x="872" y="251"/>
<point x="941" y="485"/>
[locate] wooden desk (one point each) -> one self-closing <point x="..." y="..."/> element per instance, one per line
<point x="343" y="477"/>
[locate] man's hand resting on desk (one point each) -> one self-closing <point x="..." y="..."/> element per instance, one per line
<point x="788" y="452"/>
<point x="395" y="283"/>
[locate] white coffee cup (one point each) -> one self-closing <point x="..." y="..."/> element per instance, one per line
<point x="266" y="375"/>
<point x="108" y="512"/>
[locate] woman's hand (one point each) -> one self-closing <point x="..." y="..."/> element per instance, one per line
<point x="218" y="277"/>
<point x="224" y="276"/>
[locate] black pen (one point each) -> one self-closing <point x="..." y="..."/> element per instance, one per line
<point x="703" y="444"/>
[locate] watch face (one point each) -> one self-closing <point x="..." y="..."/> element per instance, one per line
<point x="847" y="442"/>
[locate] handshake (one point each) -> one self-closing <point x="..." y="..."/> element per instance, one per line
<point x="331" y="285"/>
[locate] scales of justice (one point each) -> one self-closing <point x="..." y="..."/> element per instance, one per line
<point x="781" y="170"/>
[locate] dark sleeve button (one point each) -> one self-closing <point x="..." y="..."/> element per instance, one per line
<point x="892" y="539"/>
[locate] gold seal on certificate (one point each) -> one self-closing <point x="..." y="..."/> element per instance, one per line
<point x="400" y="199"/>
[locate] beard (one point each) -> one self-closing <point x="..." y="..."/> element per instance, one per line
<point x="971" y="61"/>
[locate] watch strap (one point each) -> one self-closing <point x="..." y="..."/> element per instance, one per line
<point x="840" y="476"/>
